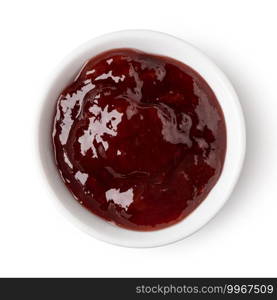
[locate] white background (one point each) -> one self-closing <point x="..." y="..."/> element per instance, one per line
<point x="35" y="240"/>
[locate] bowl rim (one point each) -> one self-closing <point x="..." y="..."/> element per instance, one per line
<point x="167" y="45"/>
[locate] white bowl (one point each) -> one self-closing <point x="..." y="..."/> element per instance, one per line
<point x="161" y="44"/>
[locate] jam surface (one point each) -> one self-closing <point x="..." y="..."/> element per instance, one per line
<point x="139" y="139"/>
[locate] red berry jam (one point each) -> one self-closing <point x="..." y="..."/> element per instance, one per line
<point x="139" y="139"/>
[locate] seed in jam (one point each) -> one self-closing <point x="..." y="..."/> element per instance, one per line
<point x="139" y="139"/>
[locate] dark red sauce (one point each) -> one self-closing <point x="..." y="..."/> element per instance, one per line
<point x="139" y="139"/>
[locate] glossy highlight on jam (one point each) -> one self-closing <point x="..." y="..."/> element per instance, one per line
<point x="139" y="139"/>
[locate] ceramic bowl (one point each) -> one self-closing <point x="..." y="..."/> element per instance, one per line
<point x="160" y="44"/>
